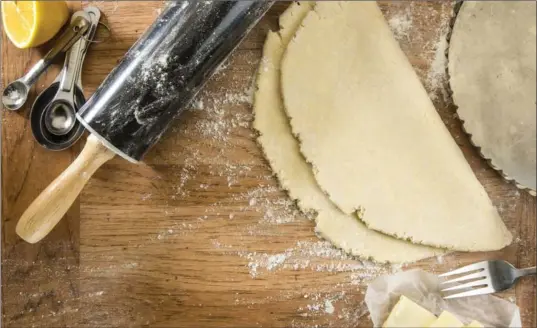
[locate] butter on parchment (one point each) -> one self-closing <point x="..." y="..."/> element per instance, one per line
<point x="409" y="314"/>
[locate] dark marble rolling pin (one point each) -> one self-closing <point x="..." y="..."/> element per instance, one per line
<point x="155" y="81"/>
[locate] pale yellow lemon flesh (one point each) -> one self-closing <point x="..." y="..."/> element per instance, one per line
<point x="31" y="23"/>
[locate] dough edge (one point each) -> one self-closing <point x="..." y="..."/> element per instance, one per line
<point x="331" y="223"/>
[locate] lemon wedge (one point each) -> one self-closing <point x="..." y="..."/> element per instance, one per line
<point x="31" y="23"/>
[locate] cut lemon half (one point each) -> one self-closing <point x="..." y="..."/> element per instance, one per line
<point x="31" y="23"/>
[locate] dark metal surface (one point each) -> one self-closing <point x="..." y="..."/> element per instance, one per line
<point x="164" y="70"/>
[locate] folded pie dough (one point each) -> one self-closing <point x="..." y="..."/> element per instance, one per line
<point x="374" y="139"/>
<point x="295" y="175"/>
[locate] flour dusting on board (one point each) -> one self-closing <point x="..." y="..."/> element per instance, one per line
<point x="425" y="43"/>
<point x="401" y="23"/>
<point x="306" y="255"/>
<point x="437" y="77"/>
<point x="245" y="222"/>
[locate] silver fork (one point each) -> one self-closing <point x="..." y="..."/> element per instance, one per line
<point x="486" y="277"/>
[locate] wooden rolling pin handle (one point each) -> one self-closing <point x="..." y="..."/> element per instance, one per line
<point x="52" y="204"/>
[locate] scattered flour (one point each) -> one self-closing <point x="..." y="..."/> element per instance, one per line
<point x="436" y="77"/>
<point x="332" y="305"/>
<point x="328" y="307"/>
<point x="318" y="256"/>
<point x="401" y="24"/>
<point x="99" y="293"/>
<point x="412" y="25"/>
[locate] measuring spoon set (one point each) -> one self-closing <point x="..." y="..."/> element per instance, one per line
<point x="53" y="113"/>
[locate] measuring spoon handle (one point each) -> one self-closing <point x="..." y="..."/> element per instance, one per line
<point x="95" y="16"/>
<point x="76" y="29"/>
<point x="52" y="204"/>
<point x="74" y="57"/>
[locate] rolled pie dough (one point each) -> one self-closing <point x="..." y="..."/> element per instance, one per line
<point x="493" y="78"/>
<point x="374" y="139"/>
<point x="282" y="151"/>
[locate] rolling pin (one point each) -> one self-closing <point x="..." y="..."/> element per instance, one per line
<point x="154" y="82"/>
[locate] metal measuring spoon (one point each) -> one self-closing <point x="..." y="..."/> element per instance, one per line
<point x="16" y="93"/>
<point x="59" y="116"/>
<point x="42" y="133"/>
<point x="37" y="124"/>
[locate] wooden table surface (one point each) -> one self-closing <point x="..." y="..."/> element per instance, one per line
<point x="200" y="234"/>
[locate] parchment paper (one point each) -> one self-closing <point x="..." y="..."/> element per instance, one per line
<point x="423" y="288"/>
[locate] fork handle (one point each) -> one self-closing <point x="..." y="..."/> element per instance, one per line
<point x="526" y="272"/>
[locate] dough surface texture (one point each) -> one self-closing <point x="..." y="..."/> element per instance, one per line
<point x="493" y="78"/>
<point x="375" y="141"/>
<point x="295" y="175"/>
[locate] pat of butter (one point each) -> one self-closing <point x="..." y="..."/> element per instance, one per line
<point x="475" y="324"/>
<point x="409" y="314"/>
<point x="447" y="320"/>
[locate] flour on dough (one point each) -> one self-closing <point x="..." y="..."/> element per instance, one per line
<point x="294" y="174"/>
<point x="494" y="85"/>
<point x="375" y="140"/>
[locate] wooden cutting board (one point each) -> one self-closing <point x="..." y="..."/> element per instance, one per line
<point x="200" y="234"/>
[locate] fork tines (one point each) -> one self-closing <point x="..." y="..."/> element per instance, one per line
<point x="479" y="278"/>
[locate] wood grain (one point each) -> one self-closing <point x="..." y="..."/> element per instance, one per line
<point x="50" y="206"/>
<point x="174" y="242"/>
